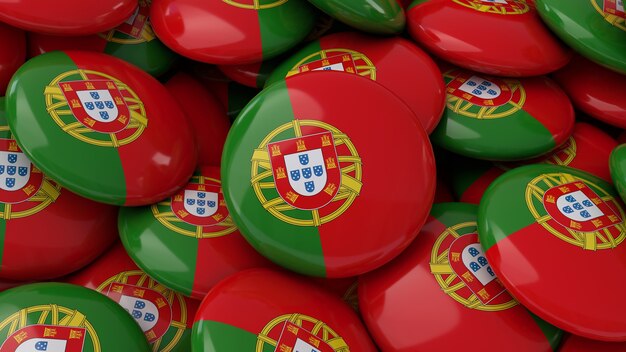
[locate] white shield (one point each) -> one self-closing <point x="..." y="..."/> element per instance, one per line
<point x="146" y="314"/>
<point x="619" y="5"/>
<point x="98" y="104"/>
<point x="475" y="261"/>
<point x="14" y="170"/>
<point x="302" y="346"/>
<point x="200" y="203"/>
<point x="496" y="1"/>
<point x="306" y="172"/>
<point x="41" y="344"/>
<point x="333" y="67"/>
<point x="481" y="88"/>
<point x="578" y="207"/>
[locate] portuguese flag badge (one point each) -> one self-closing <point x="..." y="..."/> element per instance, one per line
<point x="444" y="281"/>
<point x="303" y="170"/>
<point x="375" y="16"/>
<point x="57" y="317"/>
<point x="499" y="37"/>
<point x="530" y="116"/>
<point x="395" y="63"/>
<point x="601" y="33"/>
<point x="573" y="343"/>
<point x="617" y="165"/>
<point x="192" y="231"/>
<point x="165" y="316"/>
<point x="36" y="215"/>
<point x="266" y="311"/>
<point x="553" y="235"/>
<point x="237" y="32"/>
<point x="101" y="127"/>
<point x="132" y="41"/>
<point x="11" y="60"/>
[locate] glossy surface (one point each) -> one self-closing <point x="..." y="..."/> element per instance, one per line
<point x="331" y="233"/>
<point x="573" y="343"/>
<point x="122" y="153"/>
<point x="395" y="63"/>
<point x="260" y="308"/>
<point x="205" y="113"/>
<point x="424" y="288"/>
<point x="534" y="222"/>
<point x="188" y="248"/>
<point x="374" y="16"/>
<point x="595" y="90"/>
<point x="61" y="315"/>
<point x="232" y="31"/>
<point x="592" y="32"/>
<point x="166" y="317"/>
<point x="617" y="165"/>
<point x="503" y="119"/>
<point x="66" y="17"/>
<point x="489" y="37"/>
<point x="13" y="42"/>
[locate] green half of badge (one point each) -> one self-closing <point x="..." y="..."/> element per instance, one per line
<point x="68" y="318"/>
<point x="374" y="16"/>
<point x="617" y="163"/>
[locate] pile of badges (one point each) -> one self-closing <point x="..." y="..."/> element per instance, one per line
<point x="312" y="175"/>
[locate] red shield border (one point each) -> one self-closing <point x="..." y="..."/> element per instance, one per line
<point x="510" y="6"/>
<point x="278" y="150"/>
<point x="485" y="293"/>
<point x="461" y="77"/>
<point x="136" y="28"/>
<point x="610" y="6"/>
<point x="74" y="336"/>
<point x="610" y="217"/>
<point x="346" y="61"/>
<point x="290" y="335"/>
<point x="178" y="206"/>
<point x="116" y="290"/>
<point x="33" y="184"/>
<point x="69" y="89"/>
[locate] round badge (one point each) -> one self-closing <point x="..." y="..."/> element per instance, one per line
<point x="534" y="222"/>
<point x="601" y="33"/>
<point x="67" y="17"/>
<point x="109" y="119"/>
<point x="253" y="75"/>
<point x="595" y="90"/>
<point x="165" y="316"/>
<point x="618" y="169"/>
<point x="303" y="170"/>
<point x="395" y="63"/>
<point x="206" y="114"/>
<point x="502" y="119"/>
<point x="497" y="37"/>
<point x="375" y="16"/>
<point x="132" y="41"/>
<point x="238" y="31"/>
<point x="189" y="241"/>
<point x="36" y="214"/>
<point x="10" y="60"/>
<point x="264" y="310"/>
<point x="62" y="317"/>
<point x="573" y="343"/>
<point x="444" y="284"/>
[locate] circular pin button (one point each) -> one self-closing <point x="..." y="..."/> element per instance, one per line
<point x="235" y="32"/>
<point x="573" y="343"/>
<point x="189" y="241"/>
<point x="64" y="317"/>
<point x="165" y="316"/>
<point x="444" y="284"/>
<point x="503" y="37"/>
<point x="265" y="310"/>
<point x="101" y="127"/>
<point x="536" y="221"/>
<point x="302" y="171"/>
<point x="502" y="119"/>
<point x="68" y="17"/>
<point x="600" y="33"/>
<point x="374" y="16"/>
<point x="395" y="63"/>
<point x="618" y="169"/>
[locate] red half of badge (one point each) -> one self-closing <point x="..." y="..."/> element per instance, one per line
<point x="343" y="63"/>
<point x="306" y="170"/>
<point x="200" y="205"/>
<point x="469" y="263"/>
<point x="49" y="338"/>
<point x="576" y="206"/>
<point x="97" y="104"/>
<point x="480" y="91"/>
<point x="19" y="178"/>
<point x="296" y="338"/>
<point x="149" y="308"/>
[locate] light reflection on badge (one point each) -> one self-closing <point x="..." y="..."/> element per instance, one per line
<point x="299" y="332"/>
<point x="461" y="269"/>
<point x="500" y="7"/>
<point x="576" y="210"/>
<point x="612" y="11"/>
<point x="318" y="174"/>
